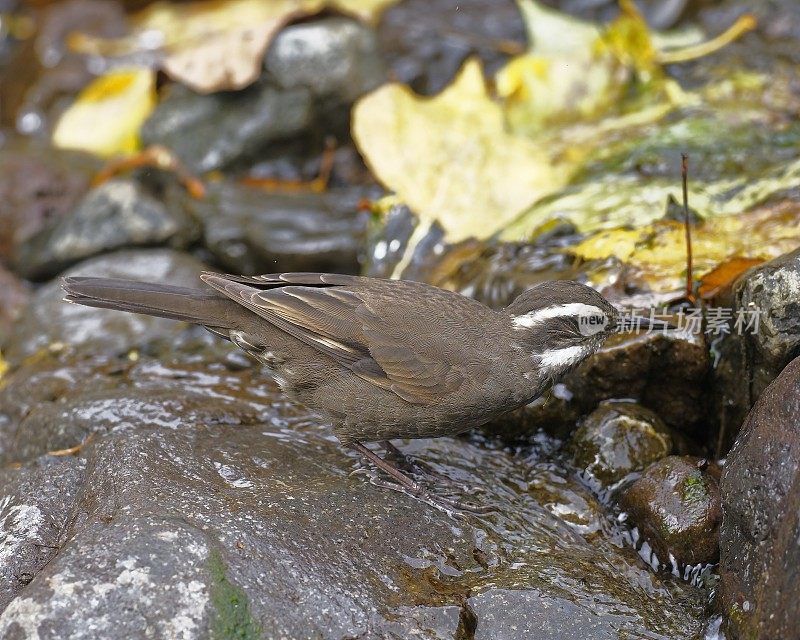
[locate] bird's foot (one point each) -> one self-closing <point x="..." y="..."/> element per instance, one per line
<point x="407" y="485"/>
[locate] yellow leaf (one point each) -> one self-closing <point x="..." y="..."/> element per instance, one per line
<point x="656" y="253"/>
<point x="450" y="158"/>
<point x="106" y="116"/>
<point x="564" y="76"/>
<point x="575" y="70"/>
<point x="611" y="201"/>
<point x="3" y="366"/>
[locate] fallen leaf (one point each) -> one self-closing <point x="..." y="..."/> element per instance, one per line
<point x="450" y="157"/>
<point x="611" y="201"/>
<point x="106" y="116"/>
<point x="723" y="276"/>
<point x="214" y="45"/>
<point x="576" y="70"/>
<point x="656" y="253"/>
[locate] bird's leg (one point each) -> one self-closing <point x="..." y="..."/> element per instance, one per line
<point x="411" y="486"/>
<point x="387" y="467"/>
<point x="391" y="450"/>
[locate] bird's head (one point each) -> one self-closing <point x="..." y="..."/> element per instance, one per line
<point x="561" y="323"/>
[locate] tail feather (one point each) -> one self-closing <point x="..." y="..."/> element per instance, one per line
<point x="166" y="301"/>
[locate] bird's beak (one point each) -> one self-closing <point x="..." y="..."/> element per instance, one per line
<point x="640" y="323"/>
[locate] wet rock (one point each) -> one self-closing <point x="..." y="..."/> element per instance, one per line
<point x="13" y="298"/>
<point x="118" y="214"/>
<point x="617" y="439"/>
<point x="312" y="71"/>
<point x="494" y="273"/>
<point x="750" y="361"/>
<point x="256" y="523"/>
<point x="666" y="373"/>
<point x="120" y="580"/>
<point x="250" y="231"/>
<point x="335" y="58"/>
<point x="210" y="132"/>
<point x="34" y="509"/>
<point x="676" y="506"/>
<point x="427" y="53"/>
<point x="760" y="552"/>
<point x="37" y="187"/>
<point x="49" y="321"/>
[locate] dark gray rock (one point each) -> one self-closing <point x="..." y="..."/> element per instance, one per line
<point x="119" y="580"/>
<point x="37" y="187"/>
<point x="427" y="53"/>
<point x="336" y="58"/>
<point x="13" y="298"/>
<point x="118" y="214"/>
<point x="251" y="523"/>
<point x="50" y="322"/>
<point x="751" y="361"/>
<point x="210" y="132"/>
<point x="34" y="511"/>
<point x="760" y="536"/>
<point x="617" y="439"/>
<point x="676" y="506"/>
<point x="249" y="231"/>
<point x="667" y="374"/>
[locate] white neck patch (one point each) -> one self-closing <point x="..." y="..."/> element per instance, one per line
<point x="570" y="309"/>
<point x="563" y="358"/>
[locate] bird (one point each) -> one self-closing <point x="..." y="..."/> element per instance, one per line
<point x="384" y="359"/>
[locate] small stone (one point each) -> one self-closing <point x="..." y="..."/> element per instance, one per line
<point x="249" y="231"/>
<point x="211" y="132"/>
<point x="617" y="439"/>
<point x="118" y="214"/>
<point x="676" y="507"/>
<point x="335" y="58"/>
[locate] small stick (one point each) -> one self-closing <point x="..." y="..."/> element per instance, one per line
<point x="684" y="179"/>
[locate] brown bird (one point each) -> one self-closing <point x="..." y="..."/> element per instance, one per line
<point x="383" y="359"/>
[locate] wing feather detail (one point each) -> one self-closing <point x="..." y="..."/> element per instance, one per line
<point x="336" y="315"/>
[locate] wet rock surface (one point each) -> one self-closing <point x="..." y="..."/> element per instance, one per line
<point x="311" y="69"/>
<point x="214" y="131"/>
<point x="34" y="510"/>
<point x="37" y="187"/>
<point x="666" y="373"/>
<point x="617" y="439"/>
<point x="250" y="231"/>
<point x="426" y="54"/>
<point x="118" y="214"/>
<point x="750" y="361"/>
<point x="676" y="506"/>
<point x="760" y="553"/>
<point x="48" y="321"/>
<point x="335" y="58"/>
<point x="13" y="298"/>
<point x="208" y="502"/>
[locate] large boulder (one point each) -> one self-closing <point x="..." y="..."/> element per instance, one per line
<point x="210" y="507"/>
<point x="753" y="356"/>
<point x="760" y="536"/>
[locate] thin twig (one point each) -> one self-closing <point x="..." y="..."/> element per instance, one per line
<point x="687" y="227"/>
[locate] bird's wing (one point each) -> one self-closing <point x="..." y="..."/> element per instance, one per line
<point x="341" y="317"/>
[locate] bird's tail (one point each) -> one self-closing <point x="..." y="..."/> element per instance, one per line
<point x="166" y="301"/>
